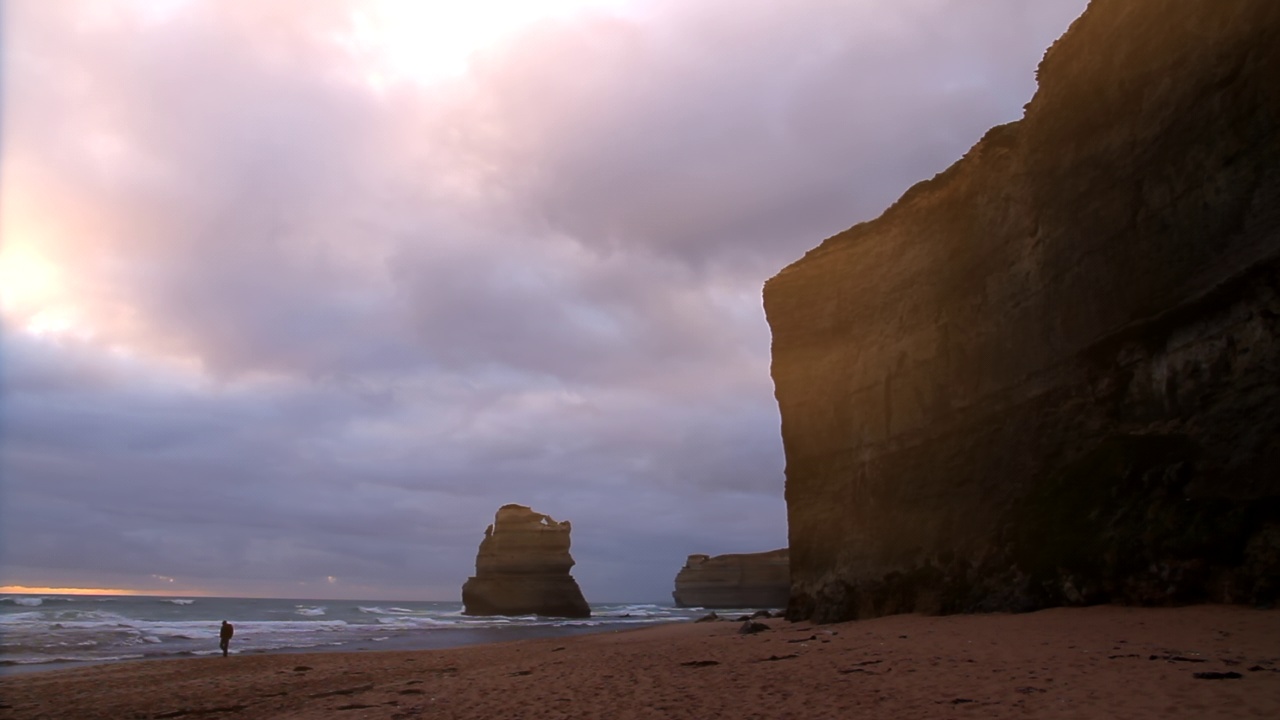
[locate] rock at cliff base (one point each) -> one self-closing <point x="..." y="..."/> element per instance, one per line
<point x="742" y="580"/>
<point x="522" y="568"/>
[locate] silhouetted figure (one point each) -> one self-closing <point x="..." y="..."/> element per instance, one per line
<point x="225" y="636"/>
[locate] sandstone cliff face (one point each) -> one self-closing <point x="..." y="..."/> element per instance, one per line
<point x="523" y="568"/>
<point x="1051" y="374"/>
<point x="745" y="580"/>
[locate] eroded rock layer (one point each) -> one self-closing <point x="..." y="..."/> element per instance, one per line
<point x="744" y="580"/>
<point x="522" y="568"/>
<point x="1051" y="374"/>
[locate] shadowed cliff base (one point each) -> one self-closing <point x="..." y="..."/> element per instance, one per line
<point x="1049" y="375"/>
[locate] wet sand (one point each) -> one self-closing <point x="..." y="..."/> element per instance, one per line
<point x="1095" y="662"/>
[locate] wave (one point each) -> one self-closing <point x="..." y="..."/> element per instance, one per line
<point x="389" y="611"/>
<point x="179" y="601"/>
<point x="203" y="630"/>
<point x="67" y="659"/>
<point x="99" y="622"/>
<point x="38" y="600"/>
<point x="411" y="622"/>
<point x="310" y="611"/>
<point x="79" y="619"/>
<point x="634" y="611"/>
<point x="21" y="617"/>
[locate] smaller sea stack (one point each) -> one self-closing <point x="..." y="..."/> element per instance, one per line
<point x="523" y="568"/>
<point x="742" y="580"/>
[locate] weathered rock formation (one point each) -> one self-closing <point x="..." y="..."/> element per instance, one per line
<point x="523" y="568"/>
<point x="745" y="580"/>
<point x="1051" y="374"/>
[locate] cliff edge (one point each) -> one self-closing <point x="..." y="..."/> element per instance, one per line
<point x="522" y="568"/>
<point x="1051" y="374"/>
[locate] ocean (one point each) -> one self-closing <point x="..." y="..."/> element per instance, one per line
<point x="51" y="631"/>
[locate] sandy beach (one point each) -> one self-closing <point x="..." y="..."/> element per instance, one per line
<point x="1063" y="663"/>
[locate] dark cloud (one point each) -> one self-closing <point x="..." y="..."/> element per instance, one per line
<point x="730" y="136"/>
<point x="322" y="327"/>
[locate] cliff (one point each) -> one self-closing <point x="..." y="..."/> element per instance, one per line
<point x="745" y="580"/>
<point x="522" y="568"/>
<point x="1049" y="375"/>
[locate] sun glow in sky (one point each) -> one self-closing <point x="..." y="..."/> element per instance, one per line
<point x="24" y="590"/>
<point x="32" y="290"/>
<point x="392" y="41"/>
<point x="26" y="278"/>
<point x="428" y="41"/>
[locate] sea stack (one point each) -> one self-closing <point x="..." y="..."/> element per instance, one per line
<point x="742" y="580"/>
<point x="1051" y="374"/>
<point x="523" y="568"/>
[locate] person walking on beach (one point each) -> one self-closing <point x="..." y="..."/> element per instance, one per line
<point x="225" y="636"/>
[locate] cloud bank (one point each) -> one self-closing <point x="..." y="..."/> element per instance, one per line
<point x="275" y="311"/>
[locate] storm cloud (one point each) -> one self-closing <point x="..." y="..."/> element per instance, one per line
<point x="279" y="320"/>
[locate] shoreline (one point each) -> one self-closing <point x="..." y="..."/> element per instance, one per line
<point x="1102" y="661"/>
<point x="413" y="641"/>
<point x="54" y="632"/>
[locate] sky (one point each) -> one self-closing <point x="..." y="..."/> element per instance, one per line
<point x="296" y="293"/>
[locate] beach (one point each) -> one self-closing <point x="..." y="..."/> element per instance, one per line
<point x="1104" y="661"/>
